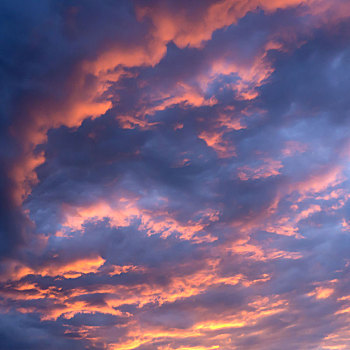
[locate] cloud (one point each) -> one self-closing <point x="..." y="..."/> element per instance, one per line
<point x="174" y="176"/>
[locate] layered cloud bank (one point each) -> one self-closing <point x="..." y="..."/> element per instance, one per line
<point x="175" y="175"/>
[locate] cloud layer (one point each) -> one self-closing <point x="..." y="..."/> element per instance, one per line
<point x="175" y="175"/>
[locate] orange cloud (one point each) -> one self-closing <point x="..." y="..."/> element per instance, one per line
<point x="270" y="167"/>
<point x="188" y="28"/>
<point x="215" y="140"/>
<point x="124" y="211"/>
<point x="320" y="181"/>
<point x="256" y="252"/>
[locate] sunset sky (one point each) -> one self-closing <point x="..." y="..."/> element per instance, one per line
<point x="175" y="174"/>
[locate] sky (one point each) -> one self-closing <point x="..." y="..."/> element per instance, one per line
<point x="174" y="175"/>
